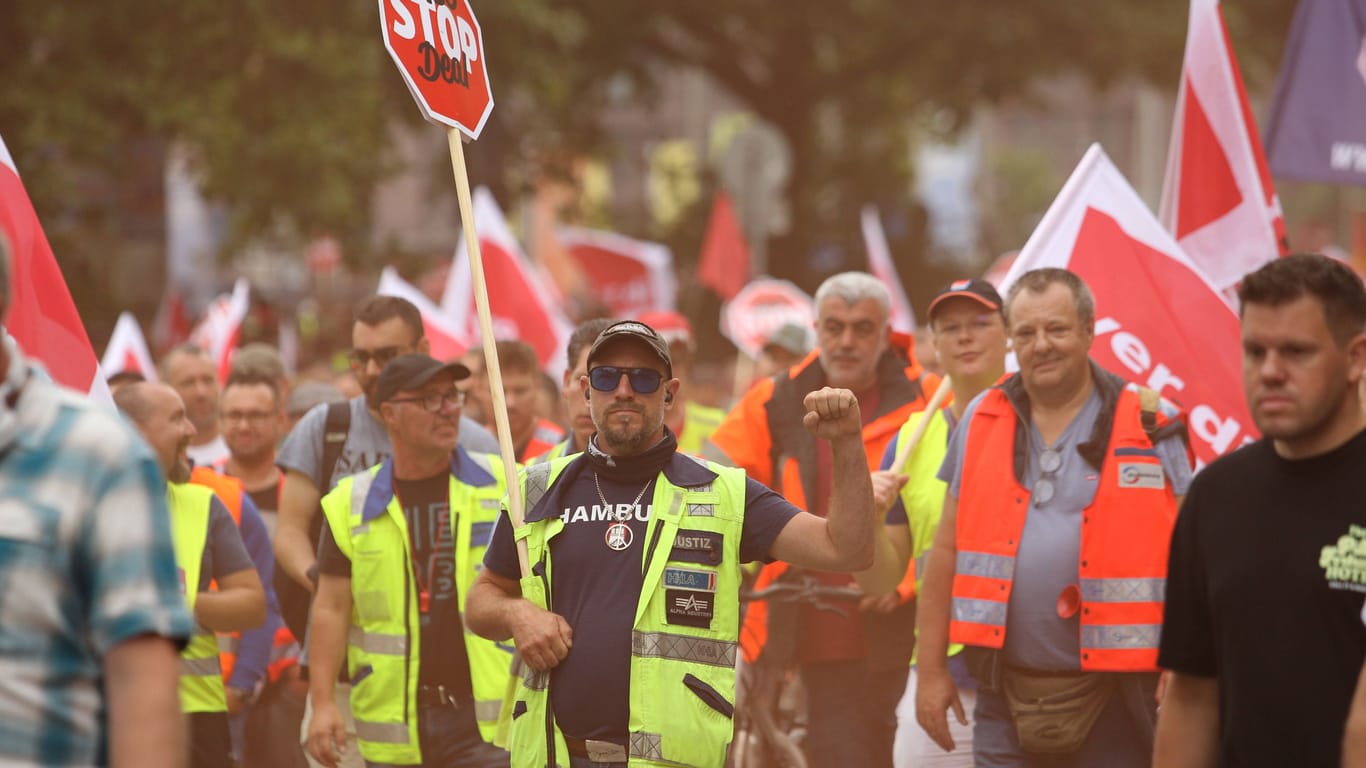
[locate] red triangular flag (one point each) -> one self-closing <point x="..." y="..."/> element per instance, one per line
<point x="725" y="264"/>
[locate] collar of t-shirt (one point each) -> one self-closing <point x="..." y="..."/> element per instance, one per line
<point x="632" y="469"/>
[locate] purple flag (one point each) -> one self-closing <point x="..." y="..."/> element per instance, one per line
<point x="1317" y="130"/>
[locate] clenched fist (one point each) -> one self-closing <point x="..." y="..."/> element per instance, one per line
<point x="832" y="414"/>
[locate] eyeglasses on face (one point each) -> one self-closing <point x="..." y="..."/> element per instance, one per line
<point x="433" y="402"/>
<point x="362" y="357"/>
<point x="644" y="381"/>
<point x="254" y="418"/>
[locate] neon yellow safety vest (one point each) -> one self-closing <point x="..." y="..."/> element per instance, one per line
<point x="699" y="421"/>
<point x="384" y="643"/>
<point x="682" y="677"/>
<point x="923" y="495"/>
<point x="201" y="676"/>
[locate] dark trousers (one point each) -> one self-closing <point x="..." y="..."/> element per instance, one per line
<point x="210" y="743"/>
<point x="846" y="725"/>
<point x="449" y="737"/>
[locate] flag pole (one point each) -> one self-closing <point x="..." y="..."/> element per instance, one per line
<point x="495" y="374"/>
<point x="903" y="452"/>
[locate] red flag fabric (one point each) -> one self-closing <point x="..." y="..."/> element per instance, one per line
<point x="127" y="349"/>
<point x="42" y="317"/>
<point x="725" y="264"/>
<point x="1218" y="198"/>
<point x="880" y="264"/>
<point x="1160" y="322"/>
<point x="522" y="304"/>
<point x="444" y="334"/>
<point x="760" y="308"/>
<point x="630" y="277"/>
<point x="221" y="327"/>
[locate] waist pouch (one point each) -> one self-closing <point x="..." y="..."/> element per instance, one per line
<point x="1054" y="712"/>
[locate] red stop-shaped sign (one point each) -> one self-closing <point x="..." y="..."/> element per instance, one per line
<point x="439" y="49"/>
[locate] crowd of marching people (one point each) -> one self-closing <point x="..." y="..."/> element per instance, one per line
<point x="346" y="573"/>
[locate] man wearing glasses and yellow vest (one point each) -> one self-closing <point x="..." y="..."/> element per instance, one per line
<point x="398" y="553"/>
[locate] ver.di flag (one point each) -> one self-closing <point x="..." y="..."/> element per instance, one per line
<point x="41" y="316"/>
<point x="221" y="327"/>
<point x="444" y="334"/>
<point x="1218" y="199"/>
<point x="881" y="265"/>
<point x="1160" y="322"/>
<point x="127" y="349"/>
<point x="630" y="277"/>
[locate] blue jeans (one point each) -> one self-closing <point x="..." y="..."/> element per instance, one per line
<point x="449" y="737"/>
<point x="1121" y="738"/>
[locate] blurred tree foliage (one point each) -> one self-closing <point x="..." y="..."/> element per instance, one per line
<point x="288" y="103"/>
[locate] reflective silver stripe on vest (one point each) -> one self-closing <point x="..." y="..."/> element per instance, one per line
<point x="381" y="733"/>
<point x="647" y="746"/>
<point x="535" y="680"/>
<point x="200" y="667"/>
<point x="979" y="611"/>
<point x="985" y="565"/>
<point x="1120" y="637"/>
<point x="375" y="642"/>
<point x="712" y="452"/>
<point x="920" y="563"/>
<point x="1123" y="590"/>
<point x="360" y="488"/>
<point x="487" y="710"/>
<point x="537" y="479"/>
<point x="483" y="463"/>
<point x="702" y="510"/>
<point x="661" y="645"/>
<point x="228" y="644"/>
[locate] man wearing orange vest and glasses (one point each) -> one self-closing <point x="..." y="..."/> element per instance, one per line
<point x="1050" y="559"/>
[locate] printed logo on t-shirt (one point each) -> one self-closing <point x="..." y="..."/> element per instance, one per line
<point x="618" y="536"/>
<point x="688" y="608"/>
<point x="1140" y="475"/>
<point x="602" y="513"/>
<point x="1344" y="561"/>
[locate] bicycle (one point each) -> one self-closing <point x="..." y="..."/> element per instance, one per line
<point x="770" y="707"/>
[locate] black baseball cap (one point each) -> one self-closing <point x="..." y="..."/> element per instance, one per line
<point x="636" y="331"/>
<point x="408" y="372"/>
<point x="978" y="290"/>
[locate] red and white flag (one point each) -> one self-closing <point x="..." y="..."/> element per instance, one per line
<point x="42" y="317"/>
<point x="1218" y="198"/>
<point x="724" y="265"/>
<point x="127" y="350"/>
<point x="522" y="304"/>
<point x="1160" y="321"/>
<point x="629" y="276"/>
<point x="880" y="264"/>
<point x="444" y="334"/>
<point x="221" y="327"/>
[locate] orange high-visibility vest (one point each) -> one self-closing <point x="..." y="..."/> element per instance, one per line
<point x="547" y="435"/>
<point x="1125" y="535"/>
<point x="229" y="491"/>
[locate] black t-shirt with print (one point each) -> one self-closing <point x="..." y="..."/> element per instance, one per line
<point x="1264" y="591"/>
<point x="431" y="544"/>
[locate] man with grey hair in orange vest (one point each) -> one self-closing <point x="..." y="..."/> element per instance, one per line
<point x="1050" y="559"/>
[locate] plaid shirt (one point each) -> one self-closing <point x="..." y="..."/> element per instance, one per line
<point x="86" y="562"/>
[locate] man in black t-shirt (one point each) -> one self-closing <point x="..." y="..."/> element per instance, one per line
<point x="401" y="546"/>
<point x="1265" y="585"/>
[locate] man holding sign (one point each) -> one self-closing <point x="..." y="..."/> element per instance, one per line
<point x="631" y="635"/>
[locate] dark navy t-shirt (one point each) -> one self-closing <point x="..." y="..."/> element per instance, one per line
<point x="596" y="581"/>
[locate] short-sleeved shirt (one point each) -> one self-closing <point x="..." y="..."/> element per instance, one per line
<point x="1046" y="562"/>
<point x="86" y="563"/>
<point x="367" y="444"/>
<point x="224" y="552"/>
<point x="1265" y="588"/>
<point x="426" y="508"/>
<point x="596" y="586"/>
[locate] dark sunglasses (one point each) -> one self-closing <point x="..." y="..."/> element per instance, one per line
<point x="361" y="357"/>
<point x="605" y="378"/>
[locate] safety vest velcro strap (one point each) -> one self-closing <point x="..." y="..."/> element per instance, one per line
<point x="205" y="667"/>
<point x="662" y="645"/>
<point x="1123" y="590"/>
<point x="381" y="733"/>
<point x="228" y="643"/>
<point x="986" y="565"/>
<point x="374" y="642"/>
<point x="1120" y="637"/>
<point x="647" y="746"/>
<point x="487" y="711"/>
<point x="966" y="609"/>
<point x="536" y="680"/>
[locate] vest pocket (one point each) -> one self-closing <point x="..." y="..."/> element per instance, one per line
<point x="362" y="672"/>
<point x="709" y="695"/>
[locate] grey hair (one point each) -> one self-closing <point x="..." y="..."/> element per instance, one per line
<point x="1036" y="281"/>
<point x="853" y="287"/>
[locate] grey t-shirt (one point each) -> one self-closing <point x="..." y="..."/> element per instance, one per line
<point x="1048" y="557"/>
<point x="367" y="444"/>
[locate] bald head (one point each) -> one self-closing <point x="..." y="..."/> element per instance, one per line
<point x="159" y="415"/>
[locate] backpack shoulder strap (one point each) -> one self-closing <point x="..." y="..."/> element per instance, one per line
<point x="335" y="429"/>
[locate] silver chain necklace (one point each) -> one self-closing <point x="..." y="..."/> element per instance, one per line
<point x="621" y="516"/>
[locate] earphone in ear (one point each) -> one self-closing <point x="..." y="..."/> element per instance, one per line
<point x="668" y="398"/>
<point x="586" y="396"/>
